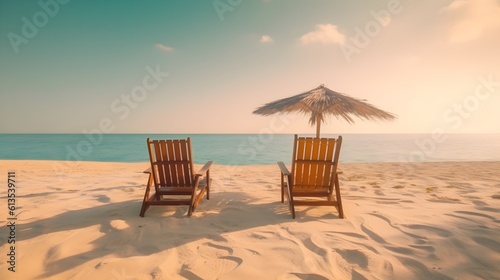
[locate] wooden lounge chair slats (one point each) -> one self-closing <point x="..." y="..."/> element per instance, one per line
<point x="314" y="174"/>
<point x="173" y="177"/>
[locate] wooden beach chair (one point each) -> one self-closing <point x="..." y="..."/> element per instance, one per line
<point x="173" y="177"/>
<point x="314" y="178"/>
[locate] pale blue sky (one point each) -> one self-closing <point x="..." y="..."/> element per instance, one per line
<point x="75" y="66"/>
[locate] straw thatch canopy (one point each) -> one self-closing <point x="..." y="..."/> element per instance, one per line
<point x="322" y="101"/>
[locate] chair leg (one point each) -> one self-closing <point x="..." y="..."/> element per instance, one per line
<point x="289" y="196"/>
<point x="145" y="204"/>
<point x="144" y="207"/>
<point x="282" y="189"/>
<point x="208" y="188"/>
<point x="197" y="197"/>
<point x="194" y="198"/>
<point x="339" y="199"/>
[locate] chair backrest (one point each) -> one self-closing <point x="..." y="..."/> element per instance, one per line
<point x="171" y="162"/>
<point x="314" y="162"/>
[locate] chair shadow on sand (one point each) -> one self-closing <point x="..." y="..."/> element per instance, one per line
<point x="225" y="212"/>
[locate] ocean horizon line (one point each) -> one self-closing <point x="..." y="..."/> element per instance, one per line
<point x="242" y="133"/>
<point x="251" y="149"/>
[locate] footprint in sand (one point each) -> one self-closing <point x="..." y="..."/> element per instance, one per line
<point x="270" y="187"/>
<point x="214" y="259"/>
<point x="475" y="214"/>
<point x="156" y="273"/>
<point x="488" y="243"/>
<point x="421" y="270"/>
<point x="354" y="257"/>
<point x="119" y="224"/>
<point x="479" y="203"/>
<point x="103" y="198"/>
<point x="379" y="193"/>
<point x="302" y="276"/>
<point x="310" y="244"/>
<point x="127" y="189"/>
<point x="430" y="230"/>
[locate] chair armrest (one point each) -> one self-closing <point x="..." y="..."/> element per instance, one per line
<point x="205" y="168"/>
<point x="148" y="171"/>
<point x="283" y="168"/>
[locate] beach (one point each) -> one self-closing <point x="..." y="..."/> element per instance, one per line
<point x="80" y="220"/>
<point x="406" y="108"/>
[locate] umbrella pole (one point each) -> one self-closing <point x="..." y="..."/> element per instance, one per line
<point x="318" y="125"/>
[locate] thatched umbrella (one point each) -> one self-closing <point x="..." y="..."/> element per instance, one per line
<point x="321" y="101"/>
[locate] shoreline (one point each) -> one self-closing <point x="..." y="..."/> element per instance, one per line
<point x="439" y="221"/>
<point x="264" y="164"/>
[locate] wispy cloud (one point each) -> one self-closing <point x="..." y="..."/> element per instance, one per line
<point x="325" y="34"/>
<point x="471" y="19"/>
<point x="164" y="48"/>
<point x="266" y="39"/>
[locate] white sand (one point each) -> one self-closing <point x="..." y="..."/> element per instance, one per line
<point x="422" y="221"/>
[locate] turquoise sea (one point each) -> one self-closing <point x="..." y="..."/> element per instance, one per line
<point x="245" y="149"/>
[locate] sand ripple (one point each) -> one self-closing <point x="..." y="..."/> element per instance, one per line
<point x="421" y="221"/>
